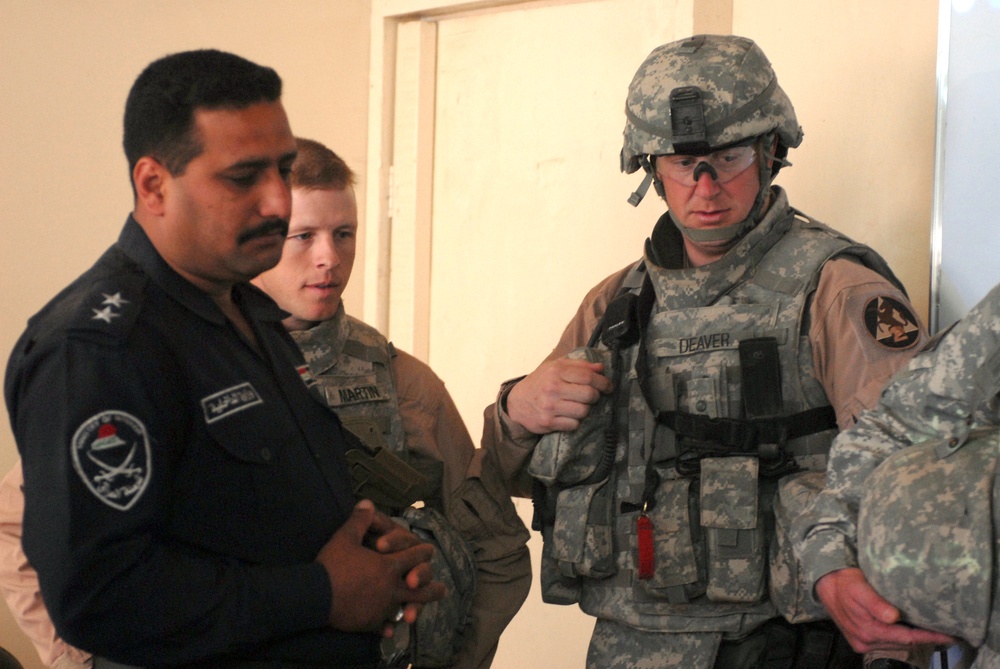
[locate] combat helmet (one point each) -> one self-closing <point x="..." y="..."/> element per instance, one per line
<point x="927" y="532"/>
<point x="700" y="94"/>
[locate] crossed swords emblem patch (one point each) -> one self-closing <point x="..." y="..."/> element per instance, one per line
<point x="111" y="455"/>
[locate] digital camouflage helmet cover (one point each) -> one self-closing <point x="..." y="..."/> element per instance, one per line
<point x="927" y="529"/>
<point x="700" y="94"/>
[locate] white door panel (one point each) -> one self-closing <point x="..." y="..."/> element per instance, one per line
<point x="530" y="211"/>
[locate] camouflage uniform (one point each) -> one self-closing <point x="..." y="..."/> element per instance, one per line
<point x="943" y="397"/>
<point x="787" y="277"/>
<point x="622" y="632"/>
<point x="398" y="401"/>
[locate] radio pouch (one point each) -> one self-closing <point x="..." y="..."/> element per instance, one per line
<point x="568" y="458"/>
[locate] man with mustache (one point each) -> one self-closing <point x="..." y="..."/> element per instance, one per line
<point x="382" y="387"/>
<point x="187" y="497"/>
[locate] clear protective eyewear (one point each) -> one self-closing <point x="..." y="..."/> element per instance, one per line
<point x="723" y="165"/>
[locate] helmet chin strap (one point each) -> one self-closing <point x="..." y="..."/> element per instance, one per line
<point x="701" y="235"/>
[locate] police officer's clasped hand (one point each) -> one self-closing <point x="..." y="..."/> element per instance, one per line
<point x="377" y="568"/>
<point x="867" y="620"/>
<point x="557" y="395"/>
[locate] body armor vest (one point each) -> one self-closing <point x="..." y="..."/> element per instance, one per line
<point x="667" y="526"/>
<point x="351" y="363"/>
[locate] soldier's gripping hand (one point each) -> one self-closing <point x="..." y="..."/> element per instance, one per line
<point x="557" y="395"/>
<point x="868" y="621"/>
<point x="371" y="584"/>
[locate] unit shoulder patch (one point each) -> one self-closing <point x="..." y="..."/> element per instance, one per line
<point x="111" y="454"/>
<point x="891" y="323"/>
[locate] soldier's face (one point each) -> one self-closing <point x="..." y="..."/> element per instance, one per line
<point x="709" y="203"/>
<point x="227" y="212"/>
<point x="318" y="256"/>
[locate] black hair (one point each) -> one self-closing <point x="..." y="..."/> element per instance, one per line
<point x="159" y="111"/>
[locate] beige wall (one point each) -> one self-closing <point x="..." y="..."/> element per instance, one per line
<point x="66" y="65"/>
<point x="65" y="69"/>
<point x="862" y="78"/>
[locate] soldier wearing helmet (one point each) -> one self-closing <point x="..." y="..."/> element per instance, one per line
<point x="905" y="532"/>
<point x="661" y="437"/>
<point x="689" y="114"/>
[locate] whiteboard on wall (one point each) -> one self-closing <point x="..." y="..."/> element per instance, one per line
<point x="966" y="243"/>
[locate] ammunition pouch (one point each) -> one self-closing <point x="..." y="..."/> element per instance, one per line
<point x="556" y="587"/>
<point x="577" y="526"/>
<point x="732" y="519"/>
<point x="679" y="558"/>
<point x="711" y="537"/>
<point x="584" y="549"/>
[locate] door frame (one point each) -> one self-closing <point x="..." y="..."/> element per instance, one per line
<point x="400" y="153"/>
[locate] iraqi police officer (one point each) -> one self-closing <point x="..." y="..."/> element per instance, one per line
<point x="692" y="382"/>
<point x="921" y="468"/>
<point x="397" y="405"/>
<point x="187" y="496"/>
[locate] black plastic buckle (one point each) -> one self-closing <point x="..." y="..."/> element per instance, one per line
<point x="687" y="121"/>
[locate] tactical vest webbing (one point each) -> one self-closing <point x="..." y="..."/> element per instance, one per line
<point x="352" y="365"/>
<point x="712" y="520"/>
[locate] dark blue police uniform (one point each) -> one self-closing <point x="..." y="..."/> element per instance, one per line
<point x="178" y="483"/>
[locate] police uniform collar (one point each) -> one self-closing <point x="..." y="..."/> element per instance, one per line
<point x="134" y="242"/>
